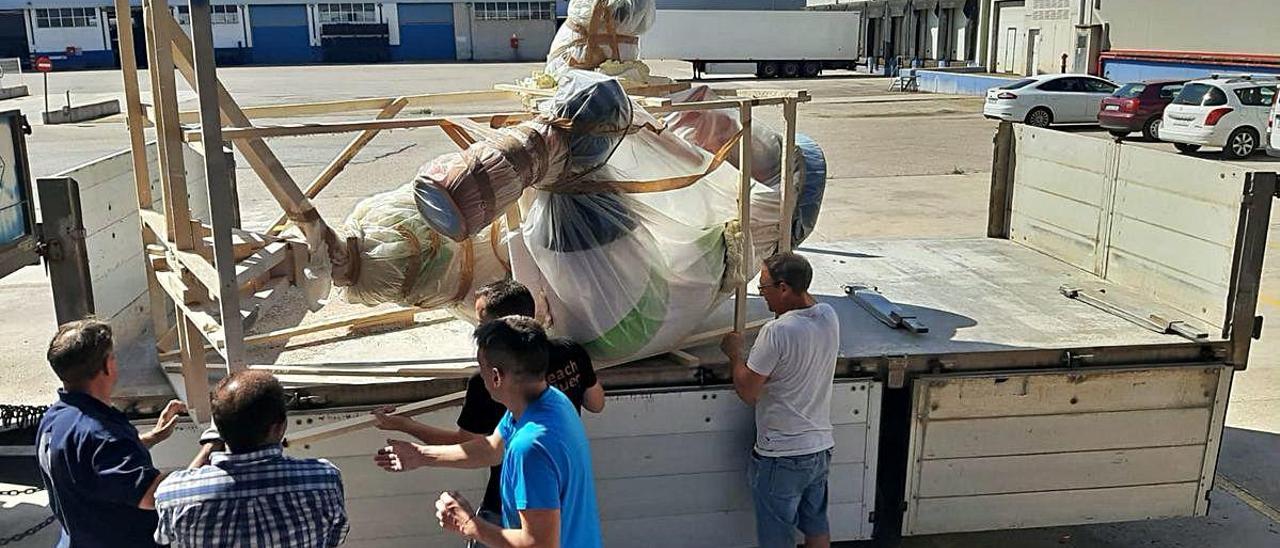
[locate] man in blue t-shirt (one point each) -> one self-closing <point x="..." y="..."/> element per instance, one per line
<point x="548" y="495"/>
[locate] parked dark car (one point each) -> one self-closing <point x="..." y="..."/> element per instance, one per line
<point x="1138" y="106"/>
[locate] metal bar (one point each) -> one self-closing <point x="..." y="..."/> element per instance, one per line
<point x="1002" y="171"/>
<point x="66" y="257"/>
<point x="221" y="205"/>
<point x="1260" y="189"/>
<point x="744" y="215"/>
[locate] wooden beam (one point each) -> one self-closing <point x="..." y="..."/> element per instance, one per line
<point x="327" y="431"/>
<point x="244" y="131"/>
<point x="789" y="190"/>
<point x="684" y="358"/>
<point x="164" y="95"/>
<point x="195" y="376"/>
<point x="261" y="262"/>
<point x="744" y="215"/>
<point x="354" y="321"/>
<point x="340" y="162"/>
<point x="255" y="151"/>
<point x="192" y="261"/>
<point x="347" y="106"/>
<point x="801" y="95"/>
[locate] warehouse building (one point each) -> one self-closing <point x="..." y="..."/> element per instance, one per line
<point x="82" y="33"/>
<point x="927" y="33"/>
<point x="1129" y="40"/>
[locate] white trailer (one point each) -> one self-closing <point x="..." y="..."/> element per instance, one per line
<point x="769" y="44"/>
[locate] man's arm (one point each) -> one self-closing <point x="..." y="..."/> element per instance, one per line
<point x="425" y="433"/>
<point x="148" y="501"/>
<point x="593" y="398"/>
<point x="538" y="528"/>
<point x="747" y="383"/>
<point x="479" y="452"/>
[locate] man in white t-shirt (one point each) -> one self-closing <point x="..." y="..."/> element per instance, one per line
<point x="788" y="378"/>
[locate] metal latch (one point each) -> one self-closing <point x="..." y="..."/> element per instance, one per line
<point x="881" y="308"/>
<point x="1154" y="322"/>
<point x="897" y="366"/>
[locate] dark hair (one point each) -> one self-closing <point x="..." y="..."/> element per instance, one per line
<point x="246" y="404"/>
<point x="790" y="268"/>
<point x="515" y="345"/>
<point x="505" y="298"/>
<point x="79" y="350"/>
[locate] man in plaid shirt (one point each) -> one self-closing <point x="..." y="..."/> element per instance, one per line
<point x="251" y="494"/>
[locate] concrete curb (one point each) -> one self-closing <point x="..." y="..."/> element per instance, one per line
<point x="13" y="92"/>
<point x="80" y="113"/>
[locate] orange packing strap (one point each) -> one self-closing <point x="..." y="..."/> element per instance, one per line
<point x="495" y="232"/>
<point x="642" y="187"/>
<point x="467" y="274"/>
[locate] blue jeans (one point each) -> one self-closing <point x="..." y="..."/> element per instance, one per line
<point x="790" y="493"/>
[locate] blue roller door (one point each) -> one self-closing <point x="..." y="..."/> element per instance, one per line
<point x="280" y="34"/>
<point x="426" y="32"/>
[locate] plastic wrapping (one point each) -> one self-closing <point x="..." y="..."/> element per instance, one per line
<point x="461" y="193"/>
<point x="597" y="31"/>
<point x="597" y="113"/>
<point x="402" y="260"/>
<point x="710" y="129"/>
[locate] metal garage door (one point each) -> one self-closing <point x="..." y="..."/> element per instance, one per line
<point x="280" y="34"/>
<point x="426" y="32"/>
<point x="1011" y="38"/>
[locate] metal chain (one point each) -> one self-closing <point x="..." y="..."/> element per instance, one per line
<point x="16" y="492"/>
<point x="14" y="417"/>
<point x="29" y="532"/>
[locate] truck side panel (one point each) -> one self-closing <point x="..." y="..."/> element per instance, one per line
<point x="729" y="35"/>
<point x="998" y="451"/>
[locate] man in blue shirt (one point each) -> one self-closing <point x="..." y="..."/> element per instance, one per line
<point x="94" y="463"/>
<point x="548" y="495"/>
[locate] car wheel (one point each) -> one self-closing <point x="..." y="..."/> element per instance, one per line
<point x="791" y="69"/>
<point x="1118" y="133"/>
<point x="1186" y="148"/>
<point x="811" y="69"/>
<point x="1242" y="142"/>
<point x="768" y="69"/>
<point x="1151" y="130"/>
<point x="1039" y="117"/>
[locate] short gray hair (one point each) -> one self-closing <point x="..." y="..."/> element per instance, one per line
<point x="790" y="268"/>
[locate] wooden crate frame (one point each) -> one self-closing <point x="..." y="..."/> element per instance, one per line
<point x="210" y="272"/>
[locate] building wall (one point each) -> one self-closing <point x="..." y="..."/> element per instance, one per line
<point x="491" y="40"/>
<point x="72" y="47"/>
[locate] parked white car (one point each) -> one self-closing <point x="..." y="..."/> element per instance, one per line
<point x="1049" y="99"/>
<point x="1228" y="112"/>
<point x="1273" y="128"/>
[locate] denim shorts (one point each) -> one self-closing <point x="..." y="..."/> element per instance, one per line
<point x="790" y="493"/>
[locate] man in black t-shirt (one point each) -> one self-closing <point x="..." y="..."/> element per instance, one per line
<point x="568" y="369"/>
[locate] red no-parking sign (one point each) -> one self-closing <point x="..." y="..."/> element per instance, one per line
<point x="44" y="63"/>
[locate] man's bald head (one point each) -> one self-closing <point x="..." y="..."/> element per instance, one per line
<point x="247" y="407"/>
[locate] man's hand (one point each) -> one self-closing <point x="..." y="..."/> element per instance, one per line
<point x="399" y="456"/>
<point x="383" y="419"/>
<point x="165" y="424"/>
<point x="731" y="345"/>
<point x="455" y="514"/>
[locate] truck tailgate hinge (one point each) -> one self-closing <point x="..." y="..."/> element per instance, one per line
<point x="897" y="367"/>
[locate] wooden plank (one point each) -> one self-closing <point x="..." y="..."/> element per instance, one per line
<point x="744" y="217"/>
<point x="789" y="190"/>
<point x="242" y="132"/>
<point x="340" y="162"/>
<point x="168" y="132"/>
<point x="1023" y="510"/>
<point x="1060" y="471"/>
<point x="195" y="377"/>
<point x="345" y="106"/>
<point x="1063" y="433"/>
<point x="1076" y="392"/>
<point x="684" y="358"/>
<point x="260" y="263"/>
<point x="799" y="95"/>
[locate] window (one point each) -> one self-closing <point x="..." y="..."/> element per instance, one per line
<point x="1019" y="84"/>
<point x="1094" y="85"/>
<point x="1201" y="95"/>
<point x="218" y="15"/>
<point x="1256" y="97"/>
<point x="505" y="11"/>
<point x="347" y="13"/>
<point x="1130" y="91"/>
<point x="1059" y="84"/>
<point x="1170" y="91"/>
<point x="66" y="17"/>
